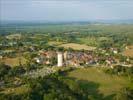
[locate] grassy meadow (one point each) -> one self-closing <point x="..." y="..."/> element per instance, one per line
<point x="96" y="80"/>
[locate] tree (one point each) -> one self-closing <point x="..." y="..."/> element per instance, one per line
<point x="4" y="69"/>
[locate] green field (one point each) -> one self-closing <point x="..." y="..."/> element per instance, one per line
<point x="88" y="41"/>
<point x="16" y="90"/>
<point x="97" y="82"/>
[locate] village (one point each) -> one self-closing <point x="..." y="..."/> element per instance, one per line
<point x="66" y="50"/>
<point x="71" y="54"/>
<point x="25" y="57"/>
<point x="81" y="58"/>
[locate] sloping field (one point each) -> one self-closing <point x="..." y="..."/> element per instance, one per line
<point x="77" y="46"/>
<point x="107" y="84"/>
<point x="16" y="90"/>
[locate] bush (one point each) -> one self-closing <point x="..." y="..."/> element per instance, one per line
<point x="124" y="94"/>
<point x="4" y="70"/>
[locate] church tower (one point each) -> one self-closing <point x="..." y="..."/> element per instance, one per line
<point x="60" y="59"/>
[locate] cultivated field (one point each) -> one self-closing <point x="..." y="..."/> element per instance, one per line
<point x="77" y="46"/>
<point x="14" y="61"/>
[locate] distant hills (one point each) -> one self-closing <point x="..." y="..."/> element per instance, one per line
<point x="130" y="21"/>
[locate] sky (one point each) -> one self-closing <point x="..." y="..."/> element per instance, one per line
<point x="66" y="10"/>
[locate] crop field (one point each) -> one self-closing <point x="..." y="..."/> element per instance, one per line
<point x="14" y="61"/>
<point x="77" y="46"/>
<point x="106" y="84"/>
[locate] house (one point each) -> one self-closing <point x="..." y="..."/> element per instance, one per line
<point x="1" y="57"/>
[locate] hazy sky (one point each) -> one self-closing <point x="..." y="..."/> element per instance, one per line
<point x="65" y="10"/>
